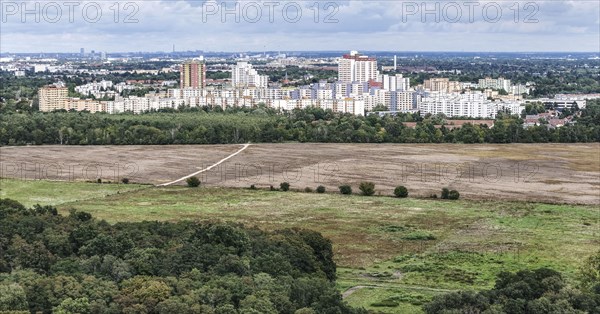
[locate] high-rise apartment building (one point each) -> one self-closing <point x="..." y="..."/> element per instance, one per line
<point x="243" y="75"/>
<point x="395" y="82"/>
<point x="354" y="67"/>
<point x="53" y="97"/>
<point x="193" y="74"/>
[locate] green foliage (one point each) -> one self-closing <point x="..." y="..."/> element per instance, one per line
<point x="320" y="189"/>
<point x="308" y="190"/>
<point x="345" y="189"/>
<point x="453" y="195"/>
<point x="125" y="180"/>
<point x="284" y="186"/>
<point x="76" y="264"/>
<point x="367" y="188"/>
<point x="539" y="291"/>
<point x="193" y="182"/>
<point x="266" y="125"/>
<point x="419" y="235"/>
<point x="401" y="191"/>
<point x="445" y="193"/>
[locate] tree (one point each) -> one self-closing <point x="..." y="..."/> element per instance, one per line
<point x="453" y="195"/>
<point x="401" y="191"/>
<point x="445" y="193"/>
<point x="125" y="180"/>
<point x="12" y="297"/>
<point x="193" y="182"/>
<point x="284" y="186"/>
<point x="367" y="188"/>
<point x="320" y="189"/>
<point x="345" y="189"/>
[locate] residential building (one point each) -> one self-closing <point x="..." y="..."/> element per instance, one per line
<point x="193" y="74"/>
<point x="244" y="75"/>
<point x="53" y="97"/>
<point x="354" y="67"/>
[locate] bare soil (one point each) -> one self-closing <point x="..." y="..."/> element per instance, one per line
<point x="553" y="173"/>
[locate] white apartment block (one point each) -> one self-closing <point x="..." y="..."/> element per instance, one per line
<point x="395" y="82"/>
<point x="243" y="75"/>
<point x="354" y="67"/>
<point x="499" y="83"/>
<point x="473" y="104"/>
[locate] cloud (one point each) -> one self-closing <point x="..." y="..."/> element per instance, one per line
<point x="301" y="25"/>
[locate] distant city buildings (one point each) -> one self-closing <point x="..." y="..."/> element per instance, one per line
<point x="360" y="88"/>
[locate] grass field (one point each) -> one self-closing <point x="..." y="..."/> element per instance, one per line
<point x="31" y="192"/>
<point x="395" y="254"/>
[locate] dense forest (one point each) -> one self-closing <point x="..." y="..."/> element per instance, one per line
<point x="264" y="125"/>
<point x="77" y="264"/>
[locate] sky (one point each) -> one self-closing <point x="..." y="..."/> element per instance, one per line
<point x="288" y="25"/>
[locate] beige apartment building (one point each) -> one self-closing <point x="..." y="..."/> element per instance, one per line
<point x="90" y="105"/>
<point x="52" y="97"/>
<point x="55" y="97"/>
<point x="442" y="85"/>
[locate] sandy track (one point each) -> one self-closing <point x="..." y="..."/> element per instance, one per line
<point x="207" y="168"/>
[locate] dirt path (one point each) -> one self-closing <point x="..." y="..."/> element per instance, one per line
<point x="207" y="168"/>
<point x="350" y="291"/>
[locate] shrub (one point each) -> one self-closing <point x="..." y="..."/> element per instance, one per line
<point x="367" y="188"/>
<point x="445" y="193"/>
<point x="125" y="180"/>
<point x="419" y="235"/>
<point x="453" y="195"/>
<point x="308" y="190"/>
<point x="433" y="196"/>
<point x="99" y="180"/>
<point x="193" y="182"/>
<point x="320" y="189"/>
<point x="401" y="191"/>
<point x="284" y="186"/>
<point x="253" y="187"/>
<point x="346" y="189"/>
<point x="272" y="188"/>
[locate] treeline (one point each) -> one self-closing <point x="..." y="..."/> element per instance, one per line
<point x="539" y="291"/>
<point x="76" y="264"/>
<point x="239" y="125"/>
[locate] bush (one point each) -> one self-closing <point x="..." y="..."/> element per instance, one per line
<point x="453" y="195"/>
<point x="445" y="193"/>
<point x="99" y="180"/>
<point x="401" y="191"/>
<point x="272" y="188"/>
<point x="284" y="186"/>
<point x="193" y="182"/>
<point x="367" y="188"/>
<point x="320" y="189"/>
<point x="252" y="187"/>
<point x="419" y="235"/>
<point x="346" y="189"/>
<point x="308" y="190"/>
<point x="125" y="180"/>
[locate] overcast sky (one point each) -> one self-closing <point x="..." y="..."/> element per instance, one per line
<point x="155" y="25"/>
